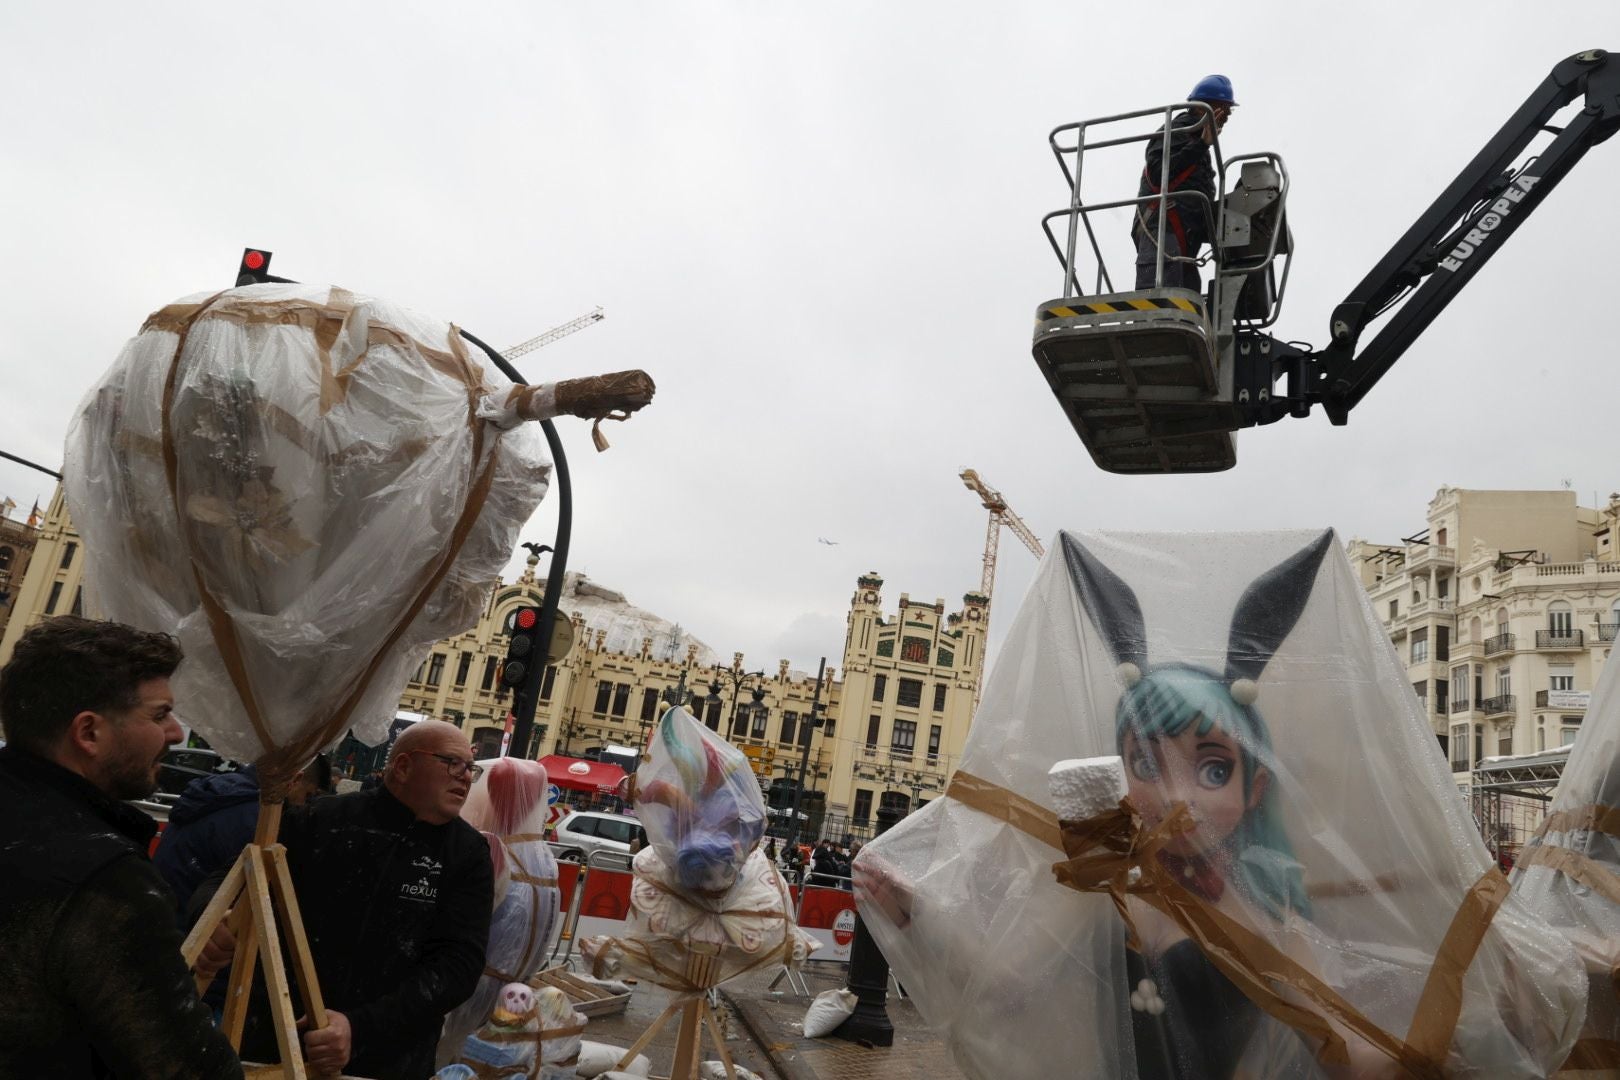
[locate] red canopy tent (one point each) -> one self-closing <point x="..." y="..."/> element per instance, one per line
<point x="578" y="774"/>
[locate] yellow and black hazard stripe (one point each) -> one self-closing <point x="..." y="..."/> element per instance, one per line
<point x="1097" y="307"/>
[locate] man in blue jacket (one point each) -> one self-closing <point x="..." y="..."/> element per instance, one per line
<point x="214" y="821"/>
<point x="1189" y="222"/>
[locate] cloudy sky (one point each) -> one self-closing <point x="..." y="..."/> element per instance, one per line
<point x="817" y="226"/>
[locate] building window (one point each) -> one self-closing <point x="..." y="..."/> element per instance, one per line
<point x="1394" y="608"/>
<point x="649" y="705"/>
<point x="790" y="726"/>
<point x="712" y="716"/>
<point x="1560" y="619"/>
<point x="863" y="806"/>
<point x="909" y="693"/>
<point x="885" y="647"/>
<point x="1541" y="739"/>
<point x="1421" y="689"/>
<point x="944" y="658"/>
<point x="1561" y="678"/>
<point x="1569" y="729"/>
<point x="5" y="559"/>
<point x="1440" y="537"/>
<point x="807" y="728"/>
<point x="896" y="801"/>
<point x="621" y="699"/>
<point x="78" y="601"/>
<point x="462" y="668"/>
<point x="490" y="663"/>
<point x="421" y="669"/>
<point x="1442" y="643"/>
<point x="1479" y="742"/>
<point x="880" y="687"/>
<point x="604" y="696"/>
<point x="1459" y="748"/>
<point x="903" y="740"/>
<point x="435" y="669"/>
<point x="548" y="683"/>
<point x="939" y="697"/>
<point x="933" y="742"/>
<point x="1504" y="681"/>
<point x="1504" y="743"/>
<point x="872" y="725"/>
<point x="67" y="555"/>
<point x="1420" y="645"/>
<point x="54" y="599"/>
<point x="828" y="726"/>
<point x="914" y="650"/>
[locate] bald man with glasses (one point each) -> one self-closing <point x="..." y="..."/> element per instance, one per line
<point x="396" y="892"/>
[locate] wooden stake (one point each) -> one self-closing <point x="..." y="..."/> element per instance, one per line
<point x="719" y="1038"/>
<point x="214" y="914"/>
<point x="688" y="1044"/>
<point x="240" y="989"/>
<point x="309" y="987"/>
<point x="647" y="1036"/>
<point x="275" y="976"/>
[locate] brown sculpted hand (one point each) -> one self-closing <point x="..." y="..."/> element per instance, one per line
<point x="326" y="1051"/>
<point x="217" y="951"/>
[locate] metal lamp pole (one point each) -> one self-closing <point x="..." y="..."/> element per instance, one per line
<point x="811" y="722"/>
<point x="869" y="974"/>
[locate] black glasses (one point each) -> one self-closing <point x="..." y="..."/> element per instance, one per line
<point x="457" y="767"/>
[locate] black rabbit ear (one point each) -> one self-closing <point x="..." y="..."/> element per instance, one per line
<point x="1110" y="603"/>
<point x="1269" y="609"/>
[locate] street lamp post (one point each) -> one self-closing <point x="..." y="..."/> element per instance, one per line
<point x="869" y="974"/>
<point x="811" y="722"/>
<point x="736" y="679"/>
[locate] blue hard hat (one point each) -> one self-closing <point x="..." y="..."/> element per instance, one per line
<point x="1215" y="89"/>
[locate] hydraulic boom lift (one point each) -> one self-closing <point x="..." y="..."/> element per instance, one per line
<point x="1158" y="380"/>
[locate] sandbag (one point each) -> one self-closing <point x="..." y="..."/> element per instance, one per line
<point x="829" y="1009"/>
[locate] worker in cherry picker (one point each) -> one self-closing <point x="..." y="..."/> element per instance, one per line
<point x="1189" y="222"/>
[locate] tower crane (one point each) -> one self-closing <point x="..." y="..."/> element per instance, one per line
<point x="1000" y="514"/>
<point x="590" y="318"/>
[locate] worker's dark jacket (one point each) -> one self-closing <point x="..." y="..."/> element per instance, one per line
<point x="1192" y="168"/>
<point x="397" y="912"/>
<point x="91" y="980"/>
<point x="207" y="830"/>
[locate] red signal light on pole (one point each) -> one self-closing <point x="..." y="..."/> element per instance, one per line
<point x="253" y="260"/>
<point x="527" y="618"/>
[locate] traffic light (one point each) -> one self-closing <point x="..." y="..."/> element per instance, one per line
<point x="255" y="268"/>
<point x="522" y="648"/>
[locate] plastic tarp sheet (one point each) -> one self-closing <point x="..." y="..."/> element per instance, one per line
<point x="1245" y="678"/>
<point x="1570" y="874"/>
<point x="302" y="483"/>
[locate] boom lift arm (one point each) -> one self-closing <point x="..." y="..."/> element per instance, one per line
<point x="1446" y="246"/>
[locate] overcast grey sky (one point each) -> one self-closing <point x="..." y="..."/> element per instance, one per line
<point x="816" y="225"/>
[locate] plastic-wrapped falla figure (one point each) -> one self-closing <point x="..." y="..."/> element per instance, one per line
<point x="1290" y="860"/>
<point x="1569" y="874"/>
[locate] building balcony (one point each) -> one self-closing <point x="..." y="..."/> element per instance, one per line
<point x="1560" y="639"/>
<point x="1437" y="606"/>
<point x="1418" y="555"/>
<point x="1501" y="643"/>
<point x="1459" y="705"/>
<point x="1606" y="631"/>
<point x="1501" y="703"/>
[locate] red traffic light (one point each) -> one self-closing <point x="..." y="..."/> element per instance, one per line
<point x="526" y="618"/>
<point x="253" y="260"/>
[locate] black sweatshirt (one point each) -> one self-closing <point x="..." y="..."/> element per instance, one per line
<point x="397" y="912"/>
<point x="91" y="980"/>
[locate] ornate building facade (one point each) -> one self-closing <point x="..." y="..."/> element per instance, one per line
<point x="896" y="714"/>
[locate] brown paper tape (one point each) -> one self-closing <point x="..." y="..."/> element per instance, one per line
<point x="1103" y="850"/>
<point x="1597" y="817"/>
<point x="1574" y="865"/>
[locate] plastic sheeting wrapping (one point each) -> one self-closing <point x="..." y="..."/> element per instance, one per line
<point x="508" y="805"/>
<point x="295" y="480"/>
<point x="1570" y="874"/>
<point x="706" y="905"/>
<point x="1245" y="676"/>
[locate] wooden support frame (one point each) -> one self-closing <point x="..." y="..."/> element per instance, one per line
<point x="258" y="901"/>
<point x="696" y="1017"/>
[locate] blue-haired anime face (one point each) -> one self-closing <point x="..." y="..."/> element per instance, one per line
<point x="1184" y="739"/>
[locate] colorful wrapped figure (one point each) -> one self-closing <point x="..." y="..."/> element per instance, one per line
<point x="1248" y="861"/>
<point x="706" y="905"/>
<point x="508" y="805"/>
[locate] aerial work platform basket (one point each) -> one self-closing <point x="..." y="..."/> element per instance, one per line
<point x="1146" y="376"/>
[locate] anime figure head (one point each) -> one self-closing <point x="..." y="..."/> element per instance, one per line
<point x="1192" y="735"/>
